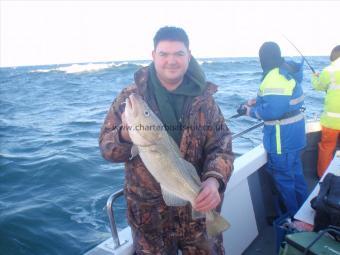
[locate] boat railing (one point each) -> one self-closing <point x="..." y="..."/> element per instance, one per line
<point x="119" y="193"/>
<point x="110" y="213"/>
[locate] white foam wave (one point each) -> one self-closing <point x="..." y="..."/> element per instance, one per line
<point x="76" y="68"/>
<point x="42" y="71"/>
<point x="90" y="67"/>
<point x="81" y="68"/>
<point x="143" y="64"/>
<point x="201" y="62"/>
<point x="120" y="64"/>
<point x="146" y="63"/>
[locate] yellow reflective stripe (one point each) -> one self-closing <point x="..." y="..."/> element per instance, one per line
<point x="285" y="121"/>
<point x="333" y="81"/>
<point x="297" y="100"/>
<point x="288" y="91"/>
<point x="333" y="71"/>
<point x="278" y="138"/>
<point x="273" y="91"/>
<point x="333" y="114"/>
<point x="334" y="87"/>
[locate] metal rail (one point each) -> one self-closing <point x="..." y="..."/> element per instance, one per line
<point x="110" y="213"/>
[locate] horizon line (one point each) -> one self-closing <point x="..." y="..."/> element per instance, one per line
<point x="135" y="60"/>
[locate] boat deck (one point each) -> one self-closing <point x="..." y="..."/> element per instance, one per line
<point x="265" y="243"/>
<point x="262" y="194"/>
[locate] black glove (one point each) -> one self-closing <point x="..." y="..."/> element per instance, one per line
<point x="242" y="110"/>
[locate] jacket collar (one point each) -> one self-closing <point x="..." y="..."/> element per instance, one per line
<point x="141" y="78"/>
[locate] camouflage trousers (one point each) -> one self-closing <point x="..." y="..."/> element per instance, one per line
<point x="163" y="230"/>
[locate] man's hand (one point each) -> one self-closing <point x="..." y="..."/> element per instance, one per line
<point x="251" y="102"/>
<point x="244" y="109"/>
<point x="124" y="133"/>
<point x="316" y="74"/>
<point x="247" y="109"/>
<point x="208" y="198"/>
<point x="241" y="110"/>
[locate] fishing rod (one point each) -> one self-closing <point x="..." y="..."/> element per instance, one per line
<point x="241" y="111"/>
<point x="234" y="116"/>
<point x="247" y="130"/>
<point x="309" y="65"/>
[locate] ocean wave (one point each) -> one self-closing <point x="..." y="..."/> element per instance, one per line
<point x="229" y="61"/>
<point x="55" y="182"/>
<point x="202" y="62"/>
<point x="90" y="67"/>
<point x="84" y="123"/>
<point x="81" y="68"/>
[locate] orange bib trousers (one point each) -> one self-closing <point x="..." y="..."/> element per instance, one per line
<point x="327" y="145"/>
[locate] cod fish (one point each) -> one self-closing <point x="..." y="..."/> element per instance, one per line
<point x="160" y="154"/>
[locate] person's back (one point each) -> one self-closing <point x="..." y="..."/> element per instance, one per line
<point x="280" y="98"/>
<point x="278" y="104"/>
<point x="329" y="81"/>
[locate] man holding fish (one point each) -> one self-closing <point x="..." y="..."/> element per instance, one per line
<point x="177" y="151"/>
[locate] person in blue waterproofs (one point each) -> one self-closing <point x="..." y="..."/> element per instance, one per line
<point x="278" y="104"/>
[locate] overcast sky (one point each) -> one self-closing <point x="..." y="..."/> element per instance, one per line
<point x="55" y="32"/>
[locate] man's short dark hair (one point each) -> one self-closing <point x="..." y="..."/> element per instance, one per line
<point x="335" y="54"/>
<point x="171" y="34"/>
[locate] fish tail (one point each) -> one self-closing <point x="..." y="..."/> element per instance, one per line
<point x="216" y="224"/>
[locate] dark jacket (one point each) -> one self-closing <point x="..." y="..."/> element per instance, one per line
<point x="205" y="142"/>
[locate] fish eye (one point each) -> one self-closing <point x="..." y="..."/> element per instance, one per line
<point x="146" y="113"/>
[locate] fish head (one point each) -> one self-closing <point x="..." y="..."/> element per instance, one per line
<point x="145" y="128"/>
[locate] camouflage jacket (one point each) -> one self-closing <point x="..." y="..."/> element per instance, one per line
<point x="205" y="142"/>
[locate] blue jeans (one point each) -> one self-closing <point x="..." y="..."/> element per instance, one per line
<point x="286" y="170"/>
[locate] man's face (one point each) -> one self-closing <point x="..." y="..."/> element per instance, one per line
<point x="171" y="59"/>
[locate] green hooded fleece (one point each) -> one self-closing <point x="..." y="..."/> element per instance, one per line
<point x="171" y="103"/>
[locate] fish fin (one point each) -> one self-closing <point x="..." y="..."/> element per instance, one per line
<point x="171" y="199"/>
<point x="215" y="223"/>
<point x="189" y="168"/>
<point x="192" y="171"/>
<point x="196" y="214"/>
<point x="134" y="151"/>
<point x="174" y="145"/>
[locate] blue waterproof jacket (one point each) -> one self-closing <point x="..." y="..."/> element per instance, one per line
<point x="279" y="100"/>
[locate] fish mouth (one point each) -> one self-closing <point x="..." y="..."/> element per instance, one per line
<point x="128" y="103"/>
<point x="133" y="101"/>
<point x="133" y="104"/>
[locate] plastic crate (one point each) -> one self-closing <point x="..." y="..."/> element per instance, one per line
<point x="311" y="243"/>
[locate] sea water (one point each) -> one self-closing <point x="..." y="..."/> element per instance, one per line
<point x="53" y="181"/>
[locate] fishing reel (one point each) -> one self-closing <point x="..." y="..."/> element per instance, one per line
<point x="242" y="110"/>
